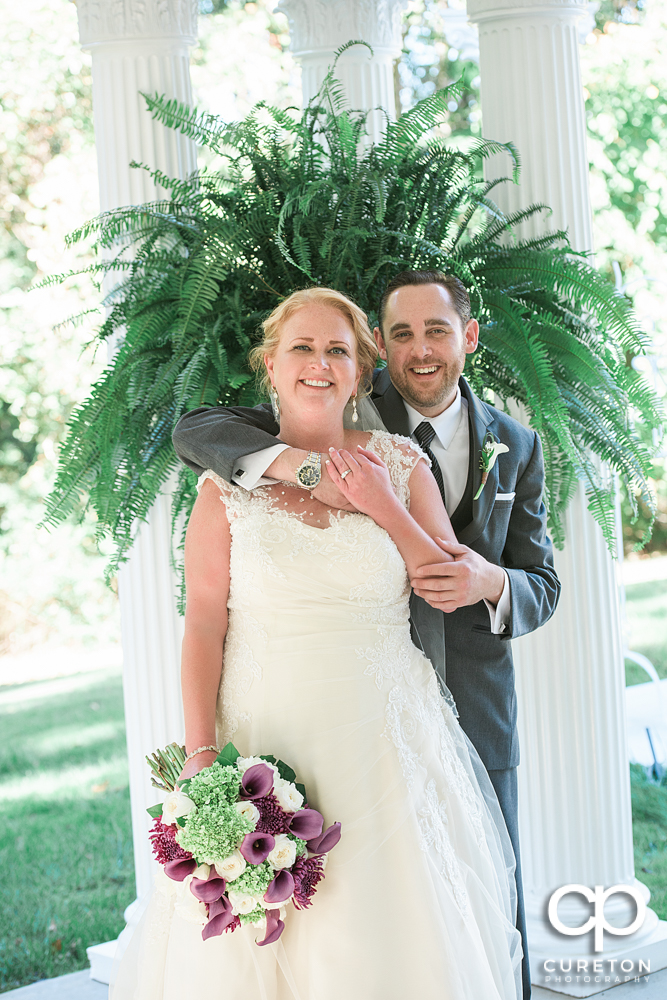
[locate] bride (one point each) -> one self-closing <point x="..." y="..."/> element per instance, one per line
<point x="311" y="607"/>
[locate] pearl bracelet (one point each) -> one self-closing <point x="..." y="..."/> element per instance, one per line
<point x="200" y="750"/>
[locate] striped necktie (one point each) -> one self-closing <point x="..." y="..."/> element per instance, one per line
<point x="425" y="434"/>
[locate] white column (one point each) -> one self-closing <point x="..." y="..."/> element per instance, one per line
<point x="575" y="816"/>
<point x="319" y="27"/>
<point x="142" y="46"/>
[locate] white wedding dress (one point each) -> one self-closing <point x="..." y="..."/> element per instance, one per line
<point x="319" y="669"/>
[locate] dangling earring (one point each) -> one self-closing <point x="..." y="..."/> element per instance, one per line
<point x="355" y="415"/>
<point x="275" y="404"/>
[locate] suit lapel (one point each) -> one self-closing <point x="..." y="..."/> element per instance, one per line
<point x="480" y="419"/>
<point x="389" y="404"/>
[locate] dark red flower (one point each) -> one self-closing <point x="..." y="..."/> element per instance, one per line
<point x="164" y="843"/>
<point x="307" y="872"/>
<point x="272" y="818"/>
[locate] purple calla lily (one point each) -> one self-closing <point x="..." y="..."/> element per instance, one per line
<point x="210" y="889"/>
<point x="306" y="824"/>
<point x="180" y="868"/>
<point x="329" y="839"/>
<point x="220" y="916"/>
<point x="256" y="782"/>
<point x="280" y="889"/>
<point x="274" y="927"/>
<point x="256" y="847"/>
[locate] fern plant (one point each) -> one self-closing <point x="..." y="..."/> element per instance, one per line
<point x="305" y="198"/>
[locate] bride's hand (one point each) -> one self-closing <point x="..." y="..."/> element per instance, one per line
<point x="367" y="485"/>
<point x="197" y="764"/>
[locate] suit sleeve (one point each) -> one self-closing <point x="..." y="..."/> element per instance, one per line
<point x="528" y="554"/>
<point x="216" y="437"/>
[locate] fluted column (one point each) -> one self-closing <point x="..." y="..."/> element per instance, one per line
<point x="142" y="46"/>
<point x="575" y="816"/>
<point x="319" y="27"/>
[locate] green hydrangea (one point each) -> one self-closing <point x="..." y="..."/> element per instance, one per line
<point x="301" y="846"/>
<point x="215" y="828"/>
<point x="255" y="879"/>
<point x="215" y="784"/>
<point x="249" y="918"/>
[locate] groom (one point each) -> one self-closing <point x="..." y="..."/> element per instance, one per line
<point x="501" y="582"/>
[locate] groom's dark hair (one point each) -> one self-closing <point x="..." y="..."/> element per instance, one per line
<point x="454" y="285"/>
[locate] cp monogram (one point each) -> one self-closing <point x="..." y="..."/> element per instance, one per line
<point x="598" y="897"/>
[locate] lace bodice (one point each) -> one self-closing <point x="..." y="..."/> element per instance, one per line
<point x="283" y="540"/>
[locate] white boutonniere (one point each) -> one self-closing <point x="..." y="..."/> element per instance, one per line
<point x="487" y="459"/>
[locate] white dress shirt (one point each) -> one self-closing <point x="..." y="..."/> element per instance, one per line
<point x="451" y="448"/>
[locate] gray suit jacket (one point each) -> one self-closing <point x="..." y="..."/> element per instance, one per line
<point x="510" y="533"/>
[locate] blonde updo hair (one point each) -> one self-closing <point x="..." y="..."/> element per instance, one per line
<point x="356" y="317"/>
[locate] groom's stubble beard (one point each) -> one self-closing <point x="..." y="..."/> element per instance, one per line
<point x="427" y="397"/>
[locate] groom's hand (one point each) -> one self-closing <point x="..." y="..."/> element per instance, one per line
<point x="470" y="578"/>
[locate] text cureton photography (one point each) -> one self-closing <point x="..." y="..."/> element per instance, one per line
<point x="593" y="970"/>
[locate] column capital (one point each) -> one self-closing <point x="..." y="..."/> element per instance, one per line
<point x="491" y="10"/>
<point x="104" y="21"/>
<point x="325" y="25"/>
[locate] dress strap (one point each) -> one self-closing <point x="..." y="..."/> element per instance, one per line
<point x="400" y="454"/>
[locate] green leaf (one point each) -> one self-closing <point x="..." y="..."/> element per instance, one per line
<point x="301" y="788"/>
<point x="228" y="756"/>
<point x="155" y="811"/>
<point x="285" y="771"/>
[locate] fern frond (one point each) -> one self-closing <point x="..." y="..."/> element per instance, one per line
<point x="305" y="197"/>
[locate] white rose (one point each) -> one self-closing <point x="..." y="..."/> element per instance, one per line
<point x="249" y="811"/>
<point x="288" y="795"/>
<point x="242" y="902"/>
<point x="283" y="854"/>
<point x="202" y="872"/>
<point x="243" y="763"/>
<point x="175" y="804"/>
<point x="231" y="867"/>
<point x="188" y="907"/>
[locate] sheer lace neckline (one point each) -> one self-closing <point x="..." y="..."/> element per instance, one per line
<point x="282" y="499"/>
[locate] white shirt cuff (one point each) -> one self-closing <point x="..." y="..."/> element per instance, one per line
<point x="249" y="470"/>
<point x="500" y="614"/>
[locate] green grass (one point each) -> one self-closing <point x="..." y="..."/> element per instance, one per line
<point x="65" y="836"/>
<point x="646" y="610"/>
<point x="649" y="823"/>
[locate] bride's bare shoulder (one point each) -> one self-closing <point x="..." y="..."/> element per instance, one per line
<point x="354" y="438"/>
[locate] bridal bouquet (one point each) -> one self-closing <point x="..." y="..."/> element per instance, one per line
<point x="237" y="841"/>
